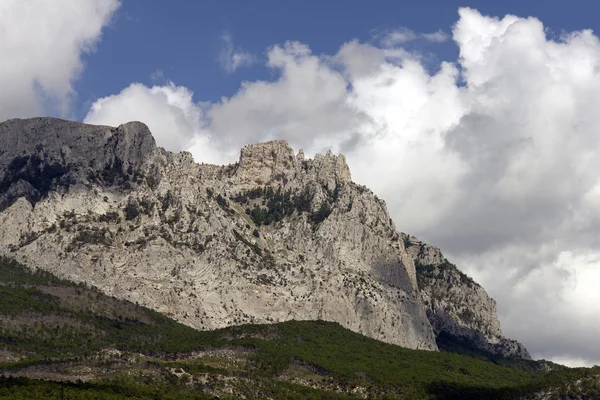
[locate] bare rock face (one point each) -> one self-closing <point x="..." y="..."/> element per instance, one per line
<point x="271" y="238"/>
<point x="41" y="154"/>
<point x="456" y="305"/>
<point x="265" y="162"/>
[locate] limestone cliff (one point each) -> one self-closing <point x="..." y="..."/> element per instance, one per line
<point x="272" y="237"/>
<point x="456" y="305"/>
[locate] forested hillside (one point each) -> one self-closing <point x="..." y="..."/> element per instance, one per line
<point x="66" y="341"/>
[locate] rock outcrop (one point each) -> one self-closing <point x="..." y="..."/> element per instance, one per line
<point x="271" y="238"/>
<point x="456" y="305"/>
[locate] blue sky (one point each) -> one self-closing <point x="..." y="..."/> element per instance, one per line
<point x="183" y="39"/>
<point x="492" y="156"/>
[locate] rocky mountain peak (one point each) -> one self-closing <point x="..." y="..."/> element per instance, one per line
<point x="333" y="169"/>
<point x="39" y="155"/>
<point x="274" y="162"/>
<point x="133" y="141"/>
<point x="262" y="163"/>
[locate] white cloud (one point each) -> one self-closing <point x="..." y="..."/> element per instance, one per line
<point x="157" y="75"/>
<point x="42" y="44"/>
<point x="403" y="35"/>
<point x="231" y="57"/>
<point x="435" y="37"/>
<point x="526" y="222"/>
<point x="175" y="121"/>
<point x="499" y="170"/>
<point x="307" y="105"/>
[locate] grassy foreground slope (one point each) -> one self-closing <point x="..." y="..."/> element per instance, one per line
<point x="59" y="340"/>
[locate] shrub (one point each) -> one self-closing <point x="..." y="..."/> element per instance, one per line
<point x="132" y="210"/>
<point x="278" y="204"/>
<point x="322" y="214"/>
<point x="222" y="201"/>
<point x="110" y="216"/>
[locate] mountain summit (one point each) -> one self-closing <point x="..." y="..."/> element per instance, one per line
<point x="271" y="238"/>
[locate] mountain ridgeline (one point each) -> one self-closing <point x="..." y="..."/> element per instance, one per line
<point x="272" y="238"/>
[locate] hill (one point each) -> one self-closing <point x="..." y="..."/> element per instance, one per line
<point x="67" y="341"/>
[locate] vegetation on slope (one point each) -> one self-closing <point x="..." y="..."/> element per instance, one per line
<point x="44" y="317"/>
<point x="78" y="343"/>
<point x="452" y="344"/>
<point x="266" y="205"/>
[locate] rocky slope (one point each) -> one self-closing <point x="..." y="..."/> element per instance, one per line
<point x="271" y="238"/>
<point x="456" y="305"/>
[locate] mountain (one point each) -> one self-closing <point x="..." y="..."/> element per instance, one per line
<point x="274" y="237"/>
<point x="62" y="340"/>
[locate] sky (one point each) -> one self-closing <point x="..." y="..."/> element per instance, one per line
<point x="476" y="121"/>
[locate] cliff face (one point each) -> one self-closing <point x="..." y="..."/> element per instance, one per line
<point x="271" y="238"/>
<point x="456" y="305"/>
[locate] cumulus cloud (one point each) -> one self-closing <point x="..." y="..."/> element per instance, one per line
<point x="404" y="35"/>
<point x="42" y="44"/>
<point x="307" y="105"/>
<point x="494" y="157"/>
<point x="527" y="219"/>
<point x="169" y="111"/>
<point x="231" y="57"/>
